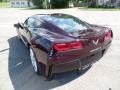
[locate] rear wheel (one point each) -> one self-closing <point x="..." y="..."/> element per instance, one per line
<point x="34" y="61"/>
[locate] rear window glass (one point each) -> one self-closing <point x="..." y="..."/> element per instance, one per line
<point x="67" y="23"/>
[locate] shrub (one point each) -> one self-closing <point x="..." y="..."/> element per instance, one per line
<point x="59" y="3"/>
<point x="53" y="3"/>
<point x="38" y="3"/>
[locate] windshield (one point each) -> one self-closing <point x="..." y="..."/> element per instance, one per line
<point x="68" y="23"/>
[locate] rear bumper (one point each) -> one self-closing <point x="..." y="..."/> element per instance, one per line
<point x="79" y="62"/>
<point x="73" y="60"/>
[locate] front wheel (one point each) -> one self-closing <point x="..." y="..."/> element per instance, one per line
<point x="34" y="62"/>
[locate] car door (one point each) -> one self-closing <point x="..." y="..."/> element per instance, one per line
<point x="23" y="30"/>
<point x="31" y="24"/>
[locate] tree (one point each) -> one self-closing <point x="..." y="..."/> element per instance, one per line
<point x="53" y="3"/>
<point x="38" y="3"/>
<point x="59" y="3"/>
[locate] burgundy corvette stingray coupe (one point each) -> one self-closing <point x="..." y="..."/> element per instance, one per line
<point x="60" y="42"/>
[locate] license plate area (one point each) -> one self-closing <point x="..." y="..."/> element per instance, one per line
<point x="88" y="61"/>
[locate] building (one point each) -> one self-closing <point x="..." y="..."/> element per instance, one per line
<point x="21" y="3"/>
<point x="114" y="3"/>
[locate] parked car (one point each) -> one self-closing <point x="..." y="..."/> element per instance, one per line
<point x="60" y="42"/>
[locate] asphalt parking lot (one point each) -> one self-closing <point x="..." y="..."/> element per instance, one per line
<point x="16" y="72"/>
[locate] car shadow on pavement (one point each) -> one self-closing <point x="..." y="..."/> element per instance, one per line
<point x="21" y="72"/>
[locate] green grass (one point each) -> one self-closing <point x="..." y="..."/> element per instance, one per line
<point x="4" y="4"/>
<point x="99" y="9"/>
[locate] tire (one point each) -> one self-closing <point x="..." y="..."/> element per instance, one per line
<point x="34" y="62"/>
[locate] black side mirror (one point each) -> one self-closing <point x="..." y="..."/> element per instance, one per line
<point x="17" y="25"/>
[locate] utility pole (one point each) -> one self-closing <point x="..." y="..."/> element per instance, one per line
<point x="49" y="3"/>
<point x="45" y="4"/>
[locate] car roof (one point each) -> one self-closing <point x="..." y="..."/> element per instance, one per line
<point x="41" y="16"/>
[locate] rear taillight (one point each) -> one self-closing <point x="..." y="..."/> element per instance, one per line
<point x="76" y="45"/>
<point x="61" y="47"/>
<point x="107" y="36"/>
<point x="68" y="46"/>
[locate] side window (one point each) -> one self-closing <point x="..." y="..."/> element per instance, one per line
<point x="32" y="23"/>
